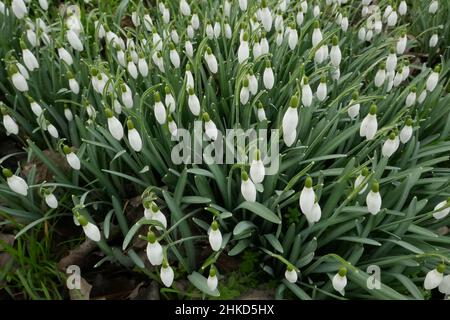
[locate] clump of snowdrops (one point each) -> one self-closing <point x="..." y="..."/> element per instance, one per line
<point x="358" y="90"/>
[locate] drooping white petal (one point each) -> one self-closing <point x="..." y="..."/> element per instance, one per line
<point x="160" y="112"/>
<point x="73" y="161"/>
<point x="406" y="134"/>
<point x="154" y="253"/>
<point x="212" y="282"/>
<point x="433" y="279"/>
<point x="248" y="190"/>
<point x="389" y="147"/>
<point x="135" y="139"/>
<point x="194" y="104"/>
<point x="10" y="125"/>
<point x="51" y="200"/>
<point x="74" y="40"/>
<point x="92" y="232"/>
<point x="73" y="85"/>
<point x="211" y="130"/>
<point x="291" y="276"/>
<point x="373" y="201"/>
<point x="444" y="287"/>
<point x="167" y="276"/>
<point x="115" y="128"/>
<point x="307" y="197"/>
<point x="18" y="185"/>
<point x="215" y="239"/>
<point x="19" y="82"/>
<point x="441" y="214"/>
<point x="268" y="78"/>
<point x="339" y="283"/>
<point x="432" y="81"/>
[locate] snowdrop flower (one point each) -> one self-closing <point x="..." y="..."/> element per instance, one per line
<point x="292" y="37"/>
<point x="401" y="43"/>
<point x="360" y="179"/>
<point x="211" y="60"/>
<point x="131" y="67"/>
<point x="243" y="50"/>
<point x="433" y="40"/>
<point x="316" y="10"/>
<point x="29" y="59"/>
<point x="377" y="26"/>
<point x="317" y="34"/>
<point x="411" y="97"/>
<point x="434" y="277"/>
<point x="243" y="5"/>
<point x="344" y="24"/>
<point x="215" y="236"/>
<point x="321" y="92"/>
<point x="142" y="65"/>
<point x="268" y="77"/>
<point x="154" y="213"/>
<point x="212" y="280"/>
<point x="135" y="19"/>
<point x="166" y="274"/>
<point x="190" y="32"/>
<point x="380" y="76"/>
<point x="252" y="83"/>
<point x="159" y="109"/>
<point x="406" y="132"/>
<point x="52" y="130"/>
<point x="304" y="6"/>
<point x="74" y="40"/>
<point x="127" y="96"/>
<point x="117" y="106"/>
<point x="154" y="250"/>
<point x="174" y="35"/>
<point x="68" y="113"/>
<point x="390" y="145"/>
<point x="19" y="8"/>
<point x="114" y="125"/>
<point x="189" y="78"/>
<point x="398" y="78"/>
<point x="299" y="17"/>
<point x="22" y="70"/>
<point x="290" y="122"/>
<point x="422" y="96"/>
<point x="120" y="56"/>
<point x="369" y="125"/>
<point x="434" y="5"/>
<point x="369" y="35"/>
<point x="260" y="112"/>
<point x="307" y="94"/>
<point x="195" y="21"/>
<point x="35" y="107"/>
<point x="433" y="78"/>
<point x="100" y="30"/>
<point x="353" y="110"/>
<point x="209" y="31"/>
<point x="266" y="16"/>
<point x="245" y="92"/>
<point x="156" y="39"/>
<point x="227" y="8"/>
<point x="90" y="230"/>
<point x="172" y="126"/>
<point x="10" y="125"/>
<point x="158" y="61"/>
<point x="340" y="280"/>
<point x="73" y="84"/>
<point x="217" y="30"/>
<point x="362" y="34"/>
<point x="174" y="57"/>
<point x="402" y="8"/>
<point x="71" y="158"/>
<point x="279" y="38"/>
<point x="392" y="19"/>
<point x="256" y="50"/>
<point x="405" y="70"/>
<point x="65" y="56"/>
<point x="193" y="103"/>
<point x="335" y="53"/>
<point x="169" y="100"/>
<point x="315" y="213"/>
<point x="441" y="211"/>
<point x="248" y="189"/>
<point x="307" y="197"/>
<point x="189" y="49"/>
<point x="373" y="199"/>
<point x="50" y="199"/>
<point x="444" y="287"/>
<point x="210" y="127"/>
<point x="133" y="137"/>
<point x="15" y="183"/>
<point x="291" y="275"/>
<point x="257" y="170"/>
<point x="228" y="32"/>
<point x="391" y="61"/>
<point x="166" y="16"/>
<point x="279" y="23"/>
<point x="185" y="11"/>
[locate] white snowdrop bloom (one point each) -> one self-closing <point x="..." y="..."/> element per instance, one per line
<point x="159" y="109"/>
<point x="51" y="200"/>
<point x="158" y="61"/>
<point x="392" y="19"/>
<point x="169" y="100"/>
<point x="299" y="18"/>
<point x="15" y="183"/>
<point x="433" y="40"/>
<point x="369" y="35"/>
<point x="190" y="32"/>
<point x="422" y="96"/>
<point x="189" y="78"/>
<point x="114" y="125"/>
<point x="321" y="92"/>
<point x="266" y="16"/>
<point x="29" y="59"/>
<point x="120" y="56"/>
<point x="19" y="8"/>
<point x="264" y="45"/>
<point x="304" y="6"/>
<point x="373" y="199"/>
<point x="315" y="214"/>
<point x="257" y="170"/>
<point x="31" y="37"/>
<point x="72" y="158"/>
<point x="65" y="56"/>
<point x="340" y="280"/>
<point x="282" y="5"/>
<point x="73" y="85"/>
<point x="339" y="18"/>
<point x="444" y="287"/>
<point x="434" y="5"/>
<point x="211" y="61"/>
<point x="390" y="145"/>
<point x="133" y="137"/>
<point x="90" y="230"/>
<point x="440" y="212"/>
<point x="411" y="98"/>
<point x="279" y="38"/>
<point x="256" y="50"/>
<point x="142" y="65"/>
<point x="243" y="50"/>
<point x="35" y="107"/>
<point x="433" y="79"/>
<point x="434" y="277"/>
<point x="380" y="76"/>
<point x="360" y="179"/>
<point x="193" y="103"/>
<point x="261" y="113"/>
<point x="353" y="110"/>
<point x="210" y="127"/>
<point x="398" y="78"/>
<point x="166" y="16"/>
<point x="43" y="4"/>
<point x="100" y="30"/>
<point x="405" y="71"/>
<point x="154" y="213"/>
<point x="243" y="5"/>
<point x="166" y="274"/>
<point x="52" y="130"/>
<point x="248" y="188"/>
<point x="132" y="70"/>
<point x="268" y="76"/>
<point x="21" y="69"/>
<point x="227" y="8"/>
<point x="317" y="34"/>
<point x="401" y="43"/>
<point x="215" y="236"/>
<point x="369" y="125"/>
<point x="68" y="114"/>
<point x="154" y="250"/>
<point x="402" y="8"/>
<point x="212" y="280"/>
<point x="209" y="31"/>
<point x="316" y="11"/>
<point x="362" y="34"/>
<point x="195" y="21"/>
<point x="217" y="30"/>
<point x="377" y="26"/>
<point x="18" y="79"/>
<point x="10" y="125"/>
<point x="127" y="96"/>
<point x="278" y="22"/>
<point x="135" y="19"/>
<point x="291" y="275"/>
<point x="252" y="83"/>
<point x="228" y="32"/>
<point x="157" y="41"/>
<point x="185" y="11"/>
<point x="117" y="107"/>
<point x="74" y="40"/>
<point x="387" y="11"/>
<point x="335" y="53"/>
<point x="391" y="61"/>
<point x="174" y="57"/>
<point x="307" y="197"/>
<point x="292" y="37"/>
<point x="364" y="11"/>
<point x="172" y="126"/>
<point x="407" y="130"/>
<point x="244" y="94"/>
<point x="307" y="94"/>
<point x="344" y="24"/>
